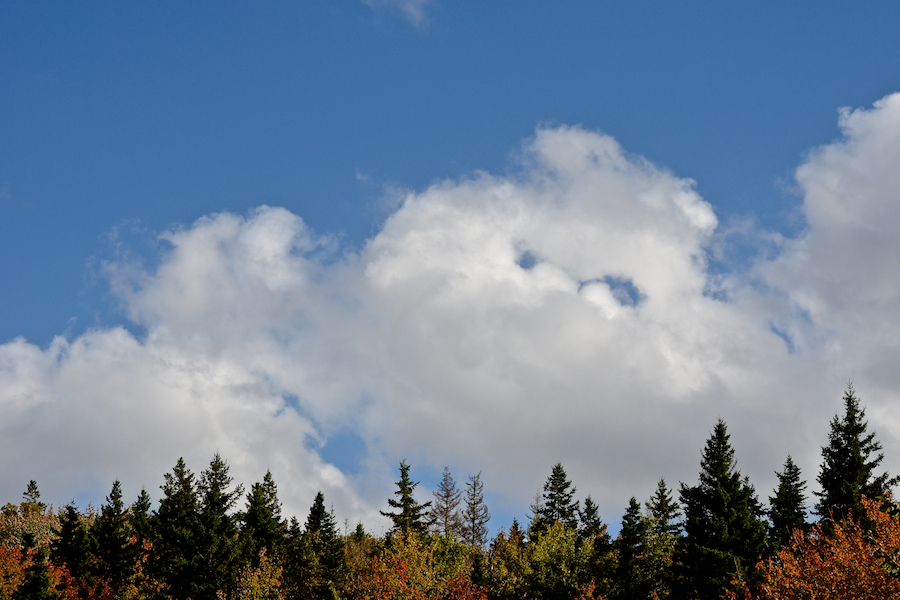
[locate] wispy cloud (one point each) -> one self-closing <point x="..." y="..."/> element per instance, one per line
<point x="414" y="10"/>
<point x="485" y="326"/>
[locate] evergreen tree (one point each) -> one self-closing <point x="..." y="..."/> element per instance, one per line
<point x="220" y="551"/>
<point x="263" y="526"/>
<point x="444" y="514"/>
<point x="74" y="546"/>
<point x="36" y="584"/>
<point x="592" y="527"/>
<point x="176" y="558"/>
<point x="848" y="463"/>
<point x="664" y="510"/>
<point x="140" y="519"/>
<point x="630" y="547"/>
<point x="787" y="508"/>
<point x="476" y="514"/>
<point x="115" y="554"/>
<point x="724" y="532"/>
<point x="412" y="514"/>
<point x="556" y="503"/>
<point x="323" y="541"/>
<point x="31" y="499"/>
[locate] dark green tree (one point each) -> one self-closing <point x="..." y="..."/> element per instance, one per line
<point x="848" y="464"/>
<point x="220" y="549"/>
<point x="664" y="510"/>
<point x="444" y="514"/>
<point x="176" y="557"/>
<point x="556" y="502"/>
<point x="724" y="531"/>
<point x="263" y="526"/>
<point x="630" y="547"/>
<point x="787" y="508"/>
<point x="411" y="515"/>
<point x="115" y="554"/>
<point x="36" y="584"/>
<point x="141" y="520"/>
<point x="74" y="546"/>
<point x="475" y="514"/>
<point x="31" y="499"/>
<point x="592" y="527"/>
<point x="323" y="542"/>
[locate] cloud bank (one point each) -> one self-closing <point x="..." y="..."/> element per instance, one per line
<point x="496" y="324"/>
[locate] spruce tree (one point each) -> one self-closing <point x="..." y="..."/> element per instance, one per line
<point x="556" y="502"/>
<point x="445" y="516"/>
<point x="412" y="516"/>
<point x="630" y="547"/>
<point x="592" y="527"/>
<point x="787" y="508"/>
<point x="475" y="514"/>
<point x="664" y="511"/>
<point x="724" y="532"/>
<point x="74" y="546"/>
<point x="328" y="568"/>
<point x="141" y="520"/>
<point x="849" y="462"/>
<point x="220" y="551"/>
<point x="115" y="555"/>
<point x="263" y="526"/>
<point x="176" y="558"/>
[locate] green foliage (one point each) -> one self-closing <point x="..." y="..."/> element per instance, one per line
<point x="664" y="510"/>
<point x="116" y="556"/>
<point x="220" y="550"/>
<point x="787" y="508"/>
<point x="849" y="462"/>
<point x="74" y="546"/>
<point x="176" y="559"/>
<point x="556" y="503"/>
<point x="263" y="526"/>
<point x="411" y="515"/>
<point x="724" y="531"/>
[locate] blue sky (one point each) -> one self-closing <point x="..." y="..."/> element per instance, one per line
<point x="122" y="125"/>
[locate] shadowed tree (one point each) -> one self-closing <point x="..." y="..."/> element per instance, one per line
<point x="787" y="508"/>
<point x="263" y="526"/>
<point x="411" y="515"/>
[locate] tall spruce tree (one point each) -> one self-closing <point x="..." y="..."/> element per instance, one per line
<point x="848" y="464"/>
<point x="176" y="558"/>
<point x="630" y="546"/>
<point x="724" y="531"/>
<point x="220" y="551"/>
<point x="556" y="502"/>
<point x="263" y="526"/>
<point x="475" y="514"/>
<point x="412" y="516"/>
<point x="787" y="508"/>
<point x="445" y="515"/>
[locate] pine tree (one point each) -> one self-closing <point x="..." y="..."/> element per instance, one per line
<point x="220" y="550"/>
<point x="630" y="547"/>
<point x="724" y="532"/>
<point x="664" y="510"/>
<point x="787" y="508"/>
<point x="412" y="515"/>
<point x="176" y="557"/>
<point x="115" y="555"/>
<point x="476" y="514"/>
<point x="848" y="463"/>
<point x="263" y="526"/>
<point x="445" y="516"/>
<point x="556" y="503"/>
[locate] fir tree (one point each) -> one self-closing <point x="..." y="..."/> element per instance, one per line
<point x="592" y="527"/>
<point x="263" y="526"/>
<point x="848" y="463"/>
<point x="115" y="555"/>
<point x="328" y="568"/>
<point x="787" y="508"/>
<point x="445" y="516"/>
<point x="556" y="503"/>
<point x="140" y="519"/>
<point x="412" y="514"/>
<point x="476" y="514"/>
<point x="176" y="557"/>
<point x="664" y="510"/>
<point x="724" y="533"/>
<point x="220" y="549"/>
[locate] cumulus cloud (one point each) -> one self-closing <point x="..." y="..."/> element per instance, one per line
<point x="496" y="324"/>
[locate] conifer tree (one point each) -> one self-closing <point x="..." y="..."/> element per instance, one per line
<point x="115" y="555"/>
<point x="787" y="508"/>
<point x="476" y="514"/>
<point x="176" y="557"/>
<point x="263" y="526"/>
<point x="592" y="527"/>
<point x="220" y="548"/>
<point x="31" y="499"/>
<point x="664" y="510"/>
<point x="724" y="532"/>
<point x="445" y="516"/>
<point x="140" y="519"/>
<point x="326" y="547"/>
<point x="74" y="546"/>
<point x="849" y="462"/>
<point x="556" y="502"/>
<point x="412" y="515"/>
<point x="36" y="584"/>
<point x="630" y="547"/>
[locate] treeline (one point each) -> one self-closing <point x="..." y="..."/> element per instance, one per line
<point x="208" y="539"/>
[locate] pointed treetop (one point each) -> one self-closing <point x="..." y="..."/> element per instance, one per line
<point x="411" y="515"/>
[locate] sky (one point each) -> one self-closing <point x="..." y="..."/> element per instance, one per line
<point x="320" y="237"/>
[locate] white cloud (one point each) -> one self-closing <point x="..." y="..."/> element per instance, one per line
<point x="414" y="10"/>
<point x="498" y="324"/>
